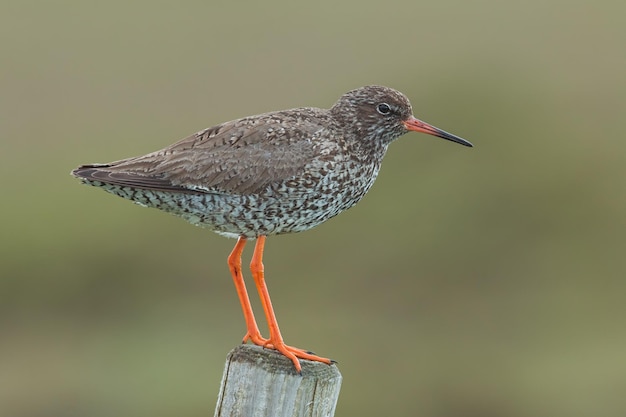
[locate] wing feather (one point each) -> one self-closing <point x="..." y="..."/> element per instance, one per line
<point x="242" y="156"/>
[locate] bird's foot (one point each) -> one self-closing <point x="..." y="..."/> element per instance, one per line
<point x="293" y="353"/>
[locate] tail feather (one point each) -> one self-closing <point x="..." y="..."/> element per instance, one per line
<point x="101" y="175"/>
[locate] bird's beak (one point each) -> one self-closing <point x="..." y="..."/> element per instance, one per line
<point x="416" y="125"/>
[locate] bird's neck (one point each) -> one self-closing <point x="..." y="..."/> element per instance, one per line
<point x="369" y="152"/>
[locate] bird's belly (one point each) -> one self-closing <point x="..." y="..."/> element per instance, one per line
<point x="284" y="207"/>
<point x="275" y="213"/>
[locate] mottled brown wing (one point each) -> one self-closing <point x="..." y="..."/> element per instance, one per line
<point x="241" y="156"/>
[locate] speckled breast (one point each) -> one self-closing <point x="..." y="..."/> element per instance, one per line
<point x="288" y="206"/>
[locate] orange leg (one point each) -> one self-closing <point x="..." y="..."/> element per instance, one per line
<point x="234" y="264"/>
<point x="276" y="340"/>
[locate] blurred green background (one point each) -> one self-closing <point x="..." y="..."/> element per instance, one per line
<point x="469" y="282"/>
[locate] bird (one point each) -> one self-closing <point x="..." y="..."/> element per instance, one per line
<point x="269" y="174"/>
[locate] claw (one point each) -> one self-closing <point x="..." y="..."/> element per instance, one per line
<point x="292" y="353"/>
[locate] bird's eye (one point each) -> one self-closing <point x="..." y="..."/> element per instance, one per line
<point x="383" y="108"/>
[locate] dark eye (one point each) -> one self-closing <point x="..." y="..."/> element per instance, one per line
<point x="383" y="108"/>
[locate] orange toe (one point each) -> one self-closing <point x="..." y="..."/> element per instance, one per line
<point x="294" y="354"/>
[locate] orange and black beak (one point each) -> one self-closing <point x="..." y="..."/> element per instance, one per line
<point x="416" y="125"/>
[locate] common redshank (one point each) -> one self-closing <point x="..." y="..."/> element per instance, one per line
<point x="269" y="174"/>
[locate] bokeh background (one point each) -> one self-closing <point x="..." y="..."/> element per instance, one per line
<point x="469" y="282"/>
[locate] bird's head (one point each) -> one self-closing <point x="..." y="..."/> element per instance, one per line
<point x="383" y="114"/>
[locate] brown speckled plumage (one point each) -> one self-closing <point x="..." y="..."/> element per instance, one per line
<point x="279" y="172"/>
<point x="273" y="173"/>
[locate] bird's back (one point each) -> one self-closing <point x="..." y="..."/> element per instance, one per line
<point x="273" y="173"/>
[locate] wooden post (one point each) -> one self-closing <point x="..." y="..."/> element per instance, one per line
<point x="261" y="382"/>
